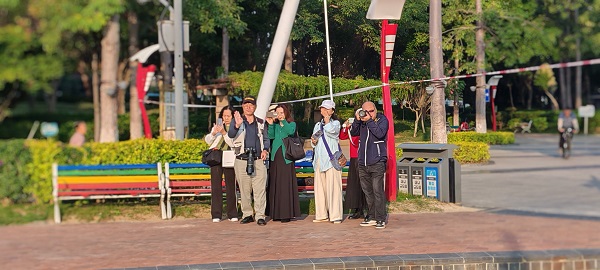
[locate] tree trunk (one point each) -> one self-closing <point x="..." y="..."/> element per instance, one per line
<point x="578" y="69"/>
<point x="552" y="99"/>
<point x="135" y="113"/>
<point x="438" y="106"/>
<point x="289" y="57"/>
<point x="510" y="94"/>
<point x="562" y="76"/>
<point x="122" y="76"/>
<point x="455" y="111"/>
<point x="417" y="118"/>
<point x="96" y="97"/>
<point x="569" y="92"/>
<point x="167" y="85"/>
<point x="308" y="109"/>
<point x="109" y="131"/>
<point x="480" y="120"/>
<point x="529" y="93"/>
<point x="300" y="59"/>
<point x="225" y="53"/>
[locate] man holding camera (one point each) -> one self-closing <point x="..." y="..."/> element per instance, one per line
<point x="251" y="146"/>
<point x="372" y="128"/>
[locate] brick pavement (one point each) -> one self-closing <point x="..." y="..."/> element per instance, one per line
<point x="199" y="241"/>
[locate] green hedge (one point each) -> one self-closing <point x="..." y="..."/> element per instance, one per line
<point x="467" y="152"/>
<point x="13" y="172"/>
<point x="500" y="137"/>
<point x="29" y="176"/>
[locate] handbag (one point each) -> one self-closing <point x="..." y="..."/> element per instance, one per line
<point x="212" y="157"/>
<point x="228" y="159"/>
<point x="338" y="160"/>
<point x="294" y="147"/>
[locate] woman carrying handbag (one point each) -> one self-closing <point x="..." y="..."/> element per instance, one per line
<point x="217" y="139"/>
<point x="284" y="202"/>
<point x="328" y="180"/>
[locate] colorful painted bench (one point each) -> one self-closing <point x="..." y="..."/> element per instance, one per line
<point x="84" y="182"/>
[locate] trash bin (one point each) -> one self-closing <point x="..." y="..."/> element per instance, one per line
<point x="432" y="171"/>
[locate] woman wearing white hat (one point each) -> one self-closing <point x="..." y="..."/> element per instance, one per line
<point x="328" y="180"/>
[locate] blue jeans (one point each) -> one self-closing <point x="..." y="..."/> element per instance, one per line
<point x="372" y="183"/>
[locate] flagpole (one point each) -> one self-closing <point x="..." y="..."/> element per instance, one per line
<point x="328" y="50"/>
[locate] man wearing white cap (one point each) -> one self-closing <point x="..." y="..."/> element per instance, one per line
<point x="328" y="180"/>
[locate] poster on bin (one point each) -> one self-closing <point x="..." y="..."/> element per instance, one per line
<point x="431" y="176"/>
<point x="417" y="181"/>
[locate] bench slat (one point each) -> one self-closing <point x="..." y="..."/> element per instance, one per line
<point x="192" y="190"/>
<point x="108" y="186"/>
<point x="106" y="167"/>
<point x="190" y="184"/>
<point x="109" y="192"/>
<point x="106" y="179"/>
<point x="189" y="176"/>
<point x="190" y="171"/>
<point x="106" y="172"/>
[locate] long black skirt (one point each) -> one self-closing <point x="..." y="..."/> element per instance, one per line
<point x="355" y="197"/>
<point x="284" y="202"/>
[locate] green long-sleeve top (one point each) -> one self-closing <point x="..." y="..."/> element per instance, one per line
<point x="277" y="132"/>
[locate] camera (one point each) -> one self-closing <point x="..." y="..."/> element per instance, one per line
<point x="250" y="162"/>
<point x="362" y="113"/>
<point x="271" y="114"/>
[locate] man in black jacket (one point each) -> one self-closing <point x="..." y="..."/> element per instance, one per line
<point x="372" y="157"/>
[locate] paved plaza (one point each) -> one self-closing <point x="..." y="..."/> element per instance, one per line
<point x="528" y="199"/>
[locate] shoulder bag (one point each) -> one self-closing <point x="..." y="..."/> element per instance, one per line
<point x="294" y="147"/>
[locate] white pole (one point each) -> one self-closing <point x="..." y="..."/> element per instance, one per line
<point x="178" y="25"/>
<point x="328" y="49"/>
<point x="280" y="41"/>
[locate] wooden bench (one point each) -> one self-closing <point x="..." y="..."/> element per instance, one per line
<point x="82" y="182"/>
<point x="186" y="180"/>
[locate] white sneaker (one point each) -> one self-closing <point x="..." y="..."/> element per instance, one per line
<point x="234" y="219"/>
<point x="337" y="222"/>
<point x="320" y="220"/>
<point x="215" y="220"/>
<point x="368" y="223"/>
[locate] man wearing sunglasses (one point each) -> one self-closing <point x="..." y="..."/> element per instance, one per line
<point x="372" y="128"/>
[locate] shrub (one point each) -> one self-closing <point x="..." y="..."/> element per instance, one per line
<point x="540" y="124"/>
<point x="36" y="180"/>
<point x="13" y="173"/>
<point x="500" y="137"/>
<point x="472" y="152"/>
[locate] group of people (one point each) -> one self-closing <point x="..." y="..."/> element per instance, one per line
<point x="255" y="141"/>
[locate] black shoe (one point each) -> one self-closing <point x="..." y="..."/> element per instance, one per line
<point x="285" y="220"/>
<point x="247" y="219"/>
<point x="367" y="218"/>
<point x="261" y="222"/>
<point x="356" y="215"/>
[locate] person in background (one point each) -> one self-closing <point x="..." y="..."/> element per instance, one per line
<point x="251" y="145"/>
<point x="284" y="203"/>
<point x="328" y="180"/>
<point x="78" y="138"/>
<point x="355" y="197"/>
<point x="566" y="119"/>
<point x="372" y="128"/>
<point x="217" y="138"/>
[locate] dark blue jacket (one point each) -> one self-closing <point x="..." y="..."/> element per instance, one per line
<point x="372" y="146"/>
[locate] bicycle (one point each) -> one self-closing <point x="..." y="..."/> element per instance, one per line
<point x="566" y="146"/>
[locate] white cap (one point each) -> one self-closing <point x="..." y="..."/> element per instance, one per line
<point x="272" y="107"/>
<point x="328" y="104"/>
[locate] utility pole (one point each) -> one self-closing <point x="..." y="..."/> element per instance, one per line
<point x="480" y="121"/>
<point x="178" y="28"/>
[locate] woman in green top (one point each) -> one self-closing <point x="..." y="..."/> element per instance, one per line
<point x="283" y="203"/>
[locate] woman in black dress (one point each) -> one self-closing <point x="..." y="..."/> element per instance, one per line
<point x="284" y="202"/>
